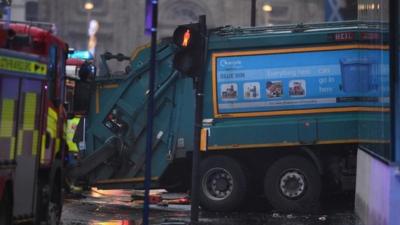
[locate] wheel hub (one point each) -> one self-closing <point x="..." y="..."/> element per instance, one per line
<point x="292" y="184"/>
<point x="217" y="183"/>
<point x="221" y="184"/>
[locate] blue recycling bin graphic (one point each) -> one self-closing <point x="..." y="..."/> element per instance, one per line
<point x="357" y="75"/>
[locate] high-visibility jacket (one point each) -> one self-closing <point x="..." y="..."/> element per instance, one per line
<point x="72" y="124"/>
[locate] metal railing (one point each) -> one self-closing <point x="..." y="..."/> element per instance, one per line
<point x="302" y="27"/>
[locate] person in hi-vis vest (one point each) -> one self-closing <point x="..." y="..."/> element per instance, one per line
<point x="73" y="152"/>
<point x="72" y="124"/>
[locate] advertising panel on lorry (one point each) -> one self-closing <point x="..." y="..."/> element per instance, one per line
<point x="274" y="80"/>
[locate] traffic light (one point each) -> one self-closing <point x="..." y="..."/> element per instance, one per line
<point x="189" y="40"/>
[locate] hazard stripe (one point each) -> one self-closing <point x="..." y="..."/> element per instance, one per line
<point x="29" y="111"/>
<point x="51" y="128"/>
<point x="35" y="137"/>
<point x="20" y="141"/>
<point x="7" y="118"/>
<point x="43" y="149"/>
<point x="7" y="124"/>
<point x="52" y="122"/>
<point x="12" y="152"/>
<point x="52" y="113"/>
<point x="28" y="135"/>
<point x="58" y="144"/>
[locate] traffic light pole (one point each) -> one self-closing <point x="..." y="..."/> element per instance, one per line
<point x="150" y="110"/>
<point x="394" y="33"/>
<point x="253" y="13"/>
<point x="199" y="90"/>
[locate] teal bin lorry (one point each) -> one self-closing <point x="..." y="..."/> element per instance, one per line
<point x="284" y="111"/>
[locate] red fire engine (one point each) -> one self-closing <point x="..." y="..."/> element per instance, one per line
<point x="32" y="117"/>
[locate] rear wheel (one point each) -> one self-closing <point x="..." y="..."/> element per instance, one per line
<point x="223" y="184"/>
<point x="292" y="184"/>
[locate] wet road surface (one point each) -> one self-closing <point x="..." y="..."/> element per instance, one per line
<point x="115" y="207"/>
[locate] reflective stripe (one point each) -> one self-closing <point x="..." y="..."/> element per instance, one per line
<point x="7" y="118"/>
<point x="72" y="124"/>
<point x="52" y="122"/>
<point x="58" y="141"/>
<point x="28" y="135"/>
<point x="12" y="153"/>
<point x="35" y="139"/>
<point x="7" y="128"/>
<point x="203" y="139"/>
<point x="51" y="129"/>
<point x="20" y="141"/>
<point x="43" y="149"/>
<point x="29" y="111"/>
<point x="22" y="65"/>
<point x="52" y="113"/>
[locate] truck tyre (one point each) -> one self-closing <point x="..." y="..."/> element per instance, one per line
<point x="6" y="207"/>
<point x="223" y="184"/>
<point x="292" y="184"/>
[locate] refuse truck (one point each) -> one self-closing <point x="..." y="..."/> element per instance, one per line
<point x="284" y="110"/>
<point x="32" y="117"/>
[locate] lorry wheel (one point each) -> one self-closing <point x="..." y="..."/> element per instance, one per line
<point x="6" y="207"/>
<point x="293" y="184"/>
<point x="223" y="184"/>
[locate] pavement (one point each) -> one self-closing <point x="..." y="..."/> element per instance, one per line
<point x="116" y="207"/>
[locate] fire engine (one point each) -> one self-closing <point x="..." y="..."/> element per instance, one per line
<point x="32" y="117"/>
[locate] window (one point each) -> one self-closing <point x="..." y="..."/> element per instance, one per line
<point x="31" y="11"/>
<point x="52" y="72"/>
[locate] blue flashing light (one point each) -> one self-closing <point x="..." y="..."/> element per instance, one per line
<point x="86" y="55"/>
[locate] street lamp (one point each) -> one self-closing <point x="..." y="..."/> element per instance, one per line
<point x="267" y="8"/>
<point x="92" y="26"/>
<point x="88" y="6"/>
<point x="253" y="13"/>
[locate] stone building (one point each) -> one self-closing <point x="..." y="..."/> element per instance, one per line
<point x="373" y="10"/>
<point x="24" y="10"/>
<point x="122" y="21"/>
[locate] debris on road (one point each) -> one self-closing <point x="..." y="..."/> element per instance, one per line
<point x="161" y="198"/>
<point x="275" y="215"/>
<point x="290" y="216"/>
<point x="322" y="218"/>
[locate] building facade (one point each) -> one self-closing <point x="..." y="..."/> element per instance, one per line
<point x="122" y="22"/>
<point x="373" y="10"/>
<point x="24" y="10"/>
